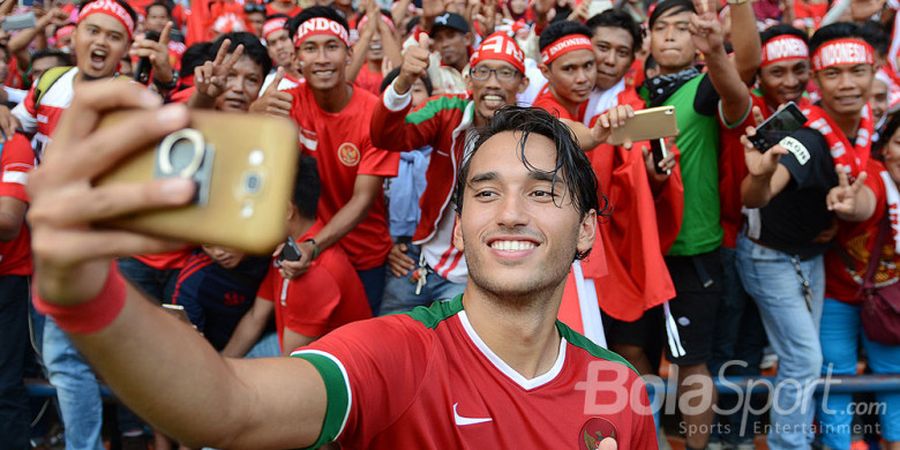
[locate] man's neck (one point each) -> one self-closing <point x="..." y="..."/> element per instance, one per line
<point x="374" y="65"/>
<point x="570" y="106"/>
<point x="80" y="76"/>
<point x="334" y="100"/>
<point x="522" y="332"/>
<point x="848" y="123"/>
<point x="672" y="70"/>
<point x="298" y="226"/>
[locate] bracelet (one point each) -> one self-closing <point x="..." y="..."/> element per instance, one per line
<point x="171" y="84"/>
<point x="93" y="315"/>
<point x="316" y="250"/>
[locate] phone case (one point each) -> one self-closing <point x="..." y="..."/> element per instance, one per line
<point x="647" y="124"/>
<point x="778" y="126"/>
<point x="244" y="170"/>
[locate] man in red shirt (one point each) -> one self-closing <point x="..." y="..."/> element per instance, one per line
<point x="332" y="117"/>
<point x="325" y="297"/>
<point x="490" y="369"/>
<point x="15" y="273"/>
<point x="569" y="64"/>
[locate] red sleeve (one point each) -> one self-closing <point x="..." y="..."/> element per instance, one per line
<point x="17" y="161"/>
<point x="546" y="102"/>
<point x="376" y="161"/>
<point x="266" y="292"/>
<point x="382" y="363"/>
<point x="314" y="297"/>
<point x="391" y="130"/>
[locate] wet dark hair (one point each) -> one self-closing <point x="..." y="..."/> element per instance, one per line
<point x="307" y="187"/>
<point x="313" y="12"/>
<point x="393" y="74"/>
<point x="614" y="18"/>
<point x="834" y="31"/>
<point x="557" y="30"/>
<point x="253" y="49"/>
<point x="62" y="58"/>
<point x="572" y="165"/>
<point x="675" y="6"/>
<point x="122" y="3"/>
<point x="195" y="55"/>
<point x="780" y="30"/>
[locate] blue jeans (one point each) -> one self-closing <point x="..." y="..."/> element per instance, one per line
<point x="266" y="347"/>
<point x="400" y="292"/>
<point x="840" y="332"/>
<point x="373" y="282"/>
<point x="14" y="411"/>
<point x="156" y="284"/>
<point x="771" y="277"/>
<point x="739" y="336"/>
<point x="77" y="390"/>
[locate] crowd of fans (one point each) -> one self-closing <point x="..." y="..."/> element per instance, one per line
<point x="704" y="257"/>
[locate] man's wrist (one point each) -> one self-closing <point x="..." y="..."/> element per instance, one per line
<point x="316" y="251"/>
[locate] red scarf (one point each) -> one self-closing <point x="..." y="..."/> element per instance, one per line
<point x="853" y="156"/>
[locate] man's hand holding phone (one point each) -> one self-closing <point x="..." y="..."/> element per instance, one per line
<point x="760" y="164"/>
<point x="607" y="122"/>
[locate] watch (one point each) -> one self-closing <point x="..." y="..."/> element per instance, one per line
<point x="172" y="84"/>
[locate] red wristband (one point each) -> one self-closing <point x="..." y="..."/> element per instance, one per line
<point x="93" y="315"/>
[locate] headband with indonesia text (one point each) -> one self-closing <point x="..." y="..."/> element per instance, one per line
<point x="273" y="25"/>
<point x="843" y="51"/>
<point x="565" y="45"/>
<point x="499" y="46"/>
<point x="323" y="26"/>
<point x="110" y="8"/>
<point x="783" y="48"/>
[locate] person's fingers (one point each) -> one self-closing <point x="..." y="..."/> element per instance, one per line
<point x="223" y="50"/>
<point x="614" y="118"/>
<point x="107" y="146"/>
<point x="757" y="115"/>
<point x="627" y="143"/>
<point x="164" y="35"/>
<point x="278" y="250"/>
<point x="70" y="247"/>
<point x="858" y="183"/>
<point x="198" y="76"/>
<point x="78" y="206"/>
<point x="843" y="181"/>
<point x="93" y="99"/>
<point x="233" y="57"/>
<point x="424" y="41"/>
<point x="604" y="120"/>
<point x="279" y="75"/>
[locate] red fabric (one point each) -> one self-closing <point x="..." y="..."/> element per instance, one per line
<point x="111" y="9"/>
<point x="548" y="102"/>
<point x="341" y="144"/>
<point x="270" y="10"/>
<point x="92" y="315"/>
<point x="17" y="160"/>
<point x="408" y="382"/>
<point x="852" y="156"/>
<point x="165" y="261"/>
<point x="640" y="230"/>
<point x="203" y="15"/>
<point x="14" y="78"/>
<point x="857" y="240"/>
<point x="327" y="296"/>
<point x="499" y="46"/>
<point x="732" y="171"/>
<point x="368" y="80"/>
<point x="183" y="95"/>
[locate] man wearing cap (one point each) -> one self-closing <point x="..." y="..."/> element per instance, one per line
<point x="331" y="115"/>
<point x="780" y="256"/>
<point x="569" y="65"/>
<point x="451" y="41"/>
<point x="436" y="269"/>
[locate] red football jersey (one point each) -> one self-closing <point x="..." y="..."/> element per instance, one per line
<point x="369" y="80"/>
<point x="16" y="161"/>
<point x="327" y="296"/>
<point x="41" y="119"/>
<point x="548" y="102"/>
<point x="426" y="380"/>
<point x="342" y="147"/>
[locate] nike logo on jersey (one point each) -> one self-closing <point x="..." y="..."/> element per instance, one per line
<point x="461" y="421"/>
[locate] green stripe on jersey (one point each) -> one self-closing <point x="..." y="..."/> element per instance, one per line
<point x="589" y="346"/>
<point x="337" y="391"/>
<point x="435" y="106"/>
<point x="431" y="316"/>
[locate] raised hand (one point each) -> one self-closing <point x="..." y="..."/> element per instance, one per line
<point x="157" y="53"/>
<point x="842" y="198"/>
<point x="415" y="64"/>
<point x="706" y="32"/>
<point x="614" y="118"/>
<point x="210" y="79"/>
<point x="273" y="101"/>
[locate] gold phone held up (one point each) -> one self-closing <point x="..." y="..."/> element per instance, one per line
<point x="244" y="168"/>
<point x="647" y="124"/>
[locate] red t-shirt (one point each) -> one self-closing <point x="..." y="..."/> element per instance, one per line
<point x="327" y="296"/>
<point x="342" y="147"/>
<point x="855" y="242"/>
<point x="16" y="161"/>
<point x="426" y="380"/>
<point x="369" y="80"/>
<point x="732" y="171"/>
<point x="270" y="10"/>
<point x="548" y="102"/>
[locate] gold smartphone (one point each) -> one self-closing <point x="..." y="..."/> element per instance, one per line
<point x="647" y="124"/>
<point x="244" y="167"/>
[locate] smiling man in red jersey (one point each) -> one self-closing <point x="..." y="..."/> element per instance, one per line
<point x="569" y="64"/>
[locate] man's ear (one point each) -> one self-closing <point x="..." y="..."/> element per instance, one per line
<point x="587" y="231"/>
<point x="545" y="70"/>
<point x="457" y="235"/>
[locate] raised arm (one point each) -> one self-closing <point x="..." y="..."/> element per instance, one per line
<point x="745" y="40"/>
<point x="161" y="368"/>
<point x="707" y="35"/>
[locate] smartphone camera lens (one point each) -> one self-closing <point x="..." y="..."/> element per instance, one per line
<point x="252" y="182"/>
<point x="182" y="154"/>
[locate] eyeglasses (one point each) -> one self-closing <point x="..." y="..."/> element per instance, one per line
<point x="254" y="8"/>
<point x="483" y="73"/>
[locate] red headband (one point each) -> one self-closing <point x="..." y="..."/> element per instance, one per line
<point x="385" y="19"/>
<point x="110" y="8"/>
<point x="321" y="25"/>
<point x="499" y="46"/>
<point x="843" y="51"/>
<point x="63" y="31"/>
<point x="784" y="48"/>
<point x="273" y="25"/>
<point x="565" y="45"/>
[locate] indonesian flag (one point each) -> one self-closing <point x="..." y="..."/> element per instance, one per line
<point x="631" y="276"/>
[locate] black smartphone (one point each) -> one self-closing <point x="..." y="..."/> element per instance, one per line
<point x="659" y="150"/>
<point x="290" y="251"/>
<point x="781" y="124"/>
<point x="142" y="69"/>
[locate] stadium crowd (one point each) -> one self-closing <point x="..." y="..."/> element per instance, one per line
<point x="705" y="257"/>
